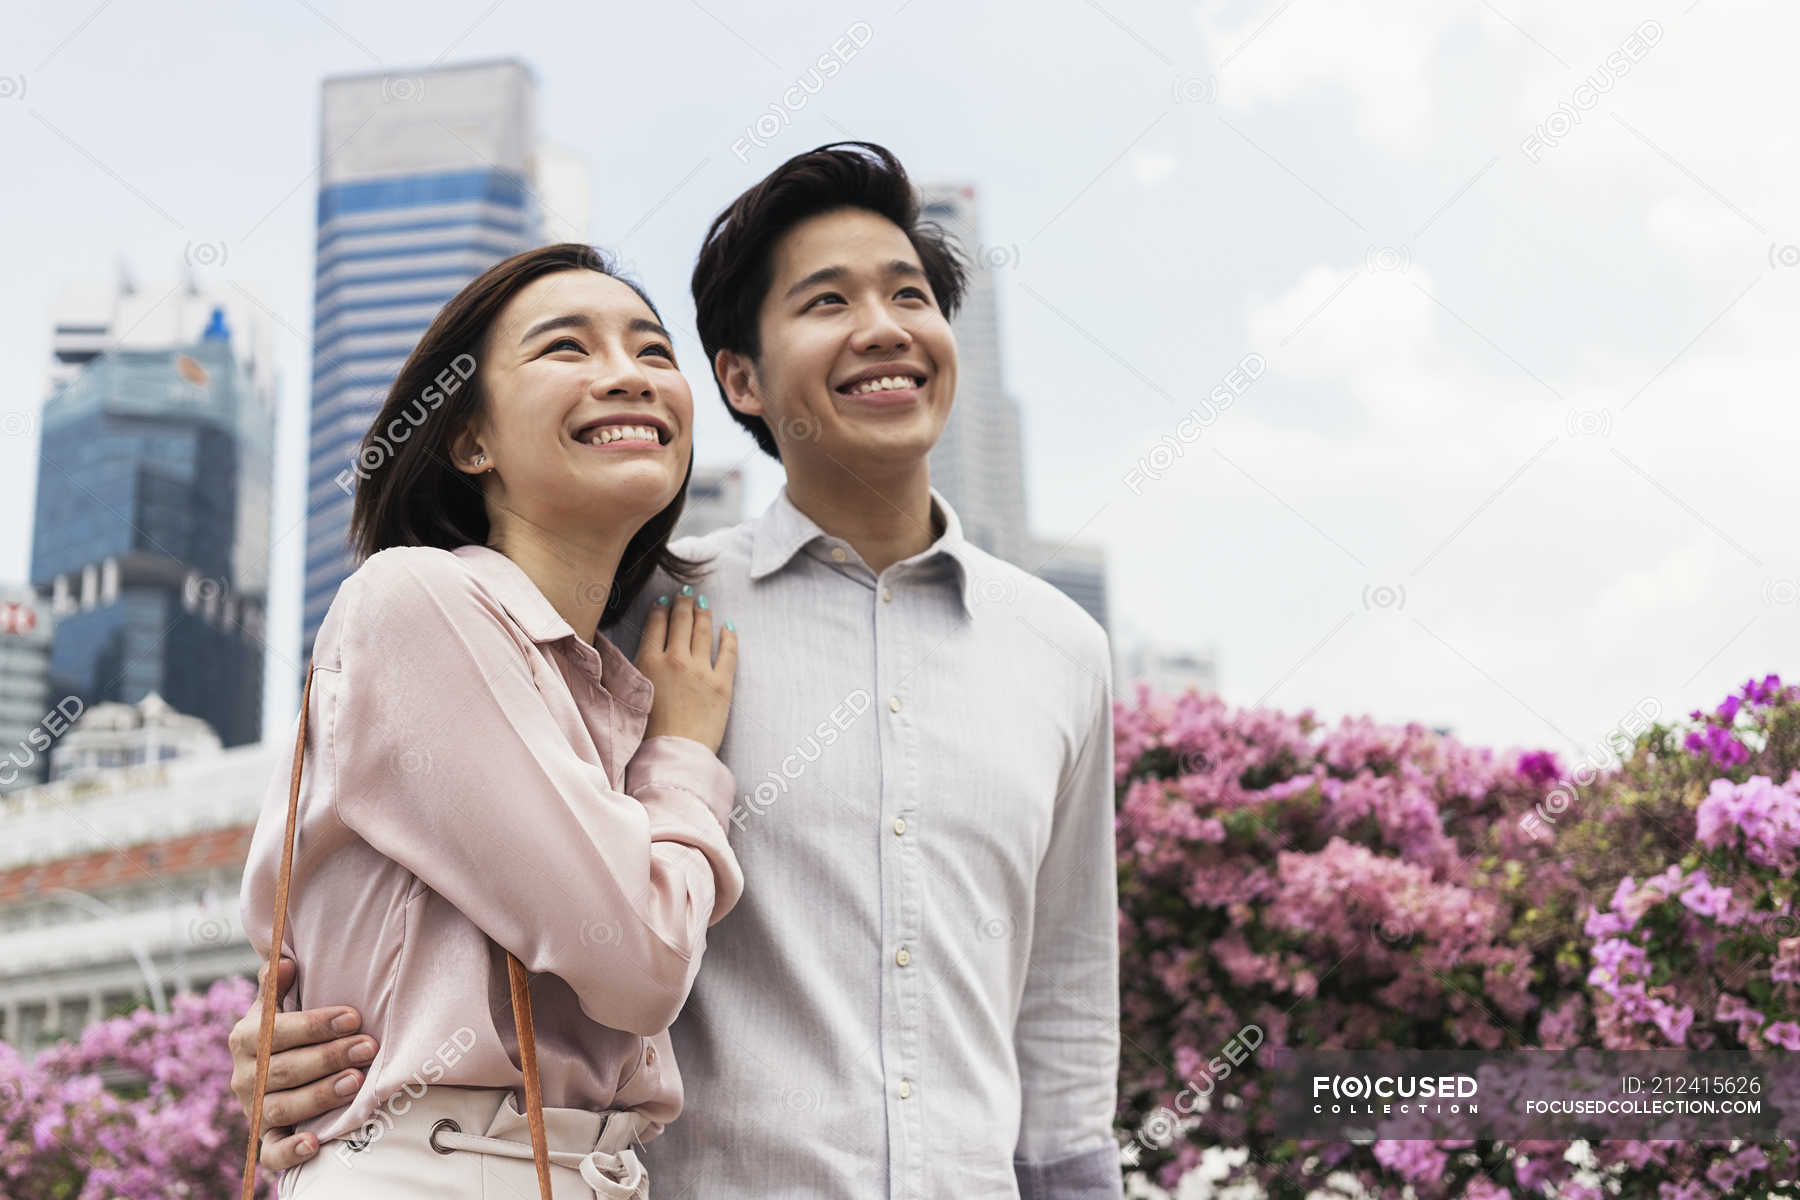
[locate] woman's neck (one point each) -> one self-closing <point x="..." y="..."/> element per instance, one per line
<point x="574" y="574"/>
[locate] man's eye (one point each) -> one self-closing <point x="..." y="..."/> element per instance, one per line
<point x="915" y="291"/>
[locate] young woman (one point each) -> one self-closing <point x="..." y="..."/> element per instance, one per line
<point x="486" y="773"/>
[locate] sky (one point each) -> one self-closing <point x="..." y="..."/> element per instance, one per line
<point x="1421" y="361"/>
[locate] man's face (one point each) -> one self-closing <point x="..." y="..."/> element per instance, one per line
<point x="849" y="308"/>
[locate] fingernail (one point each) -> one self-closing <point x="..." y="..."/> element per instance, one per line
<point x="663" y="600"/>
<point x="729" y="625"/>
<point x="345" y="1086"/>
<point x="687" y="589"/>
<point x="362" y="1052"/>
<point x="305" y="1149"/>
<point x="343" y="1023"/>
<point x="701" y="602"/>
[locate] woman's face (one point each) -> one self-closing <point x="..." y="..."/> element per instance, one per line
<point x="586" y="414"/>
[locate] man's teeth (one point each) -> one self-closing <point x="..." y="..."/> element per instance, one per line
<point x="614" y="433"/>
<point x="887" y="383"/>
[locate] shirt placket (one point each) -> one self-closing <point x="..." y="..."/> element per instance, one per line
<point x="902" y="900"/>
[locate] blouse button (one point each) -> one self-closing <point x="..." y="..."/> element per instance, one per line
<point x="899" y="824"/>
<point x="887" y="594"/>
<point x="649" y="1055"/>
<point x="837" y="554"/>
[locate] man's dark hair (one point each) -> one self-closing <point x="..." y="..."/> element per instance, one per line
<point x="736" y="265"/>
<point x="411" y="494"/>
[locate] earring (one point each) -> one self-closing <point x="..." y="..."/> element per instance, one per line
<point x="481" y="458"/>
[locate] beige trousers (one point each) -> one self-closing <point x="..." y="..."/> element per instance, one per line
<point x="461" y="1143"/>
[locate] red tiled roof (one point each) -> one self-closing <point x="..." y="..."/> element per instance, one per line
<point x="113" y="868"/>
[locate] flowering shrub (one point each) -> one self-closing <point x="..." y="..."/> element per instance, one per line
<point x="167" y="1126"/>
<point x="1280" y="884"/>
<point x="1374" y="887"/>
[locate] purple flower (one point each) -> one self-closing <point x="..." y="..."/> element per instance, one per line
<point x="1784" y="1033"/>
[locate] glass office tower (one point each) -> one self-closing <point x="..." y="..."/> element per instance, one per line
<point x="151" y="534"/>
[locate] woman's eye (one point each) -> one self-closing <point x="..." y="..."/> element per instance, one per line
<point x="825" y="296"/>
<point x="659" y="348"/>
<point x="559" y="342"/>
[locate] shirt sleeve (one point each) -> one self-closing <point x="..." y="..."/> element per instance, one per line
<point x="1067" y="1033"/>
<point x="450" y="763"/>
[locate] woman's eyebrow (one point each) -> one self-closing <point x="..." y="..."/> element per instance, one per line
<point x="568" y="320"/>
<point x="580" y="321"/>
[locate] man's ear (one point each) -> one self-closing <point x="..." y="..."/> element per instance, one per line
<point x="736" y="373"/>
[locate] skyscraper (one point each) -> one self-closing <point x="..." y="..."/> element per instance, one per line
<point x="1078" y="570"/>
<point x="978" y="463"/>
<point x="151" y="528"/>
<point x="25" y="698"/>
<point x="425" y="181"/>
<point x="715" y="500"/>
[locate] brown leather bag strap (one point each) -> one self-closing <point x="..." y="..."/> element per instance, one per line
<point x="265" y="1037"/>
<point x="534" y="1095"/>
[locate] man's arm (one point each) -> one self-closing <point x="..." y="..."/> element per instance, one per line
<point x="1067" y="1035"/>
<point x="315" y="1053"/>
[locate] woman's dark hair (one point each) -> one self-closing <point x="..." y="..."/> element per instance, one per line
<point x="409" y="493"/>
<point x="736" y="268"/>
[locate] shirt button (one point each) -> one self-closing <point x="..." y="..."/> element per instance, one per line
<point x="905" y="1088"/>
<point x="837" y="554"/>
<point x="902" y="957"/>
<point x="649" y="1055"/>
<point x="899" y="824"/>
<point x="887" y="594"/>
<point x="893" y="704"/>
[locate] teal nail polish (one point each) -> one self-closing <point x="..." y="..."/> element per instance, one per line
<point x="730" y="626"/>
<point x="663" y="600"/>
<point x="687" y="589"/>
<point x="701" y="602"/>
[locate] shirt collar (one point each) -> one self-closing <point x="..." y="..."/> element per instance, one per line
<point x="508" y="583"/>
<point x="783" y="531"/>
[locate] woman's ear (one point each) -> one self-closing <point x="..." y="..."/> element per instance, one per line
<point x="466" y="451"/>
<point x="736" y="373"/>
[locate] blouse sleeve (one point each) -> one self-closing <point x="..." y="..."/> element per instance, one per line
<point x="450" y="764"/>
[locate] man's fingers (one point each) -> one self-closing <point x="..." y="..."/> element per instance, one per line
<point x="309" y="1064"/>
<point x="302" y="1104"/>
<point x="282" y="1149"/>
<point x="310" y="1027"/>
<point x="284" y="979"/>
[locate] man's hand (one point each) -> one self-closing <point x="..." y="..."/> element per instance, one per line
<point x="308" y="1072"/>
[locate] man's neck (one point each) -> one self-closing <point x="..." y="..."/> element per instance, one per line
<point x="886" y="518"/>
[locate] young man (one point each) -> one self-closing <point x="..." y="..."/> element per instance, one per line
<point x="917" y="995"/>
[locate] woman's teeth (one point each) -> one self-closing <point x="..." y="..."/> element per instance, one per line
<point x="615" y="433"/>
<point x="888" y="383"/>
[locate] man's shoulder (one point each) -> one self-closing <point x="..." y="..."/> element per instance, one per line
<point x="725" y="545"/>
<point x="718" y="558"/>
<point x="995" y="583"/>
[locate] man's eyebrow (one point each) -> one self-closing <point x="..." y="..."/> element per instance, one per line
<point x="579" y="321"/>
<point x="898" y="266"/>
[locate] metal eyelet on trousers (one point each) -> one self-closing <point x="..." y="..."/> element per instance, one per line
<point x="356" y="1144"/>
<point x="443" y="1124"/>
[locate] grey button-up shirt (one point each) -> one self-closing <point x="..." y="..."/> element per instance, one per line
<point x="917" y="994"/>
